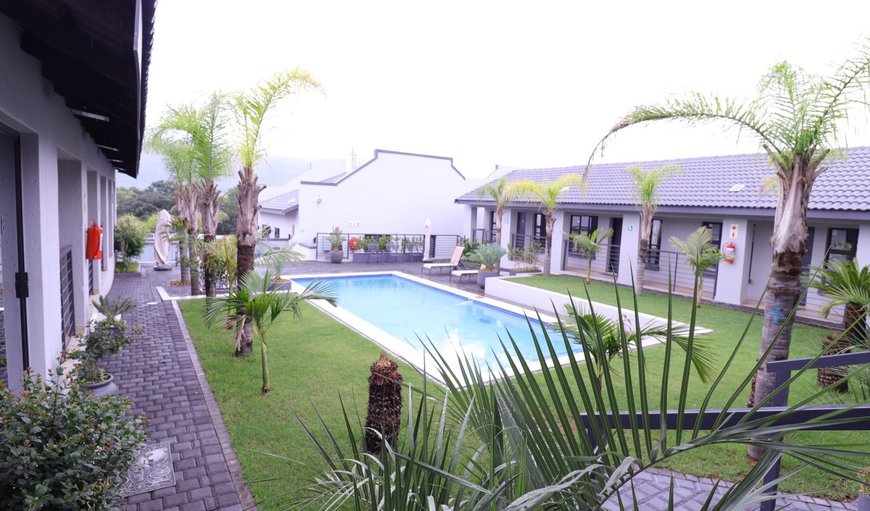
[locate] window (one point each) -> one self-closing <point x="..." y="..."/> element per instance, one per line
<point x="715" y="229"/>
<point x="653" y="255"/>
<point x="580" y="224"/>
<point x="842" y="244"/>
<point x="540" y="229"/>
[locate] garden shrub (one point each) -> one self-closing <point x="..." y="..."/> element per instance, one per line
<point x="129" y="239"/>
<point x="62" y="448"/>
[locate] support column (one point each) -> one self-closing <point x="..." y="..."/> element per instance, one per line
<point x="506" y="230"/>
<point x="94" y="209"/>
<point x="471" y="218"/>
<point x="557" y="250"/>
<point x="72" y="205"/>
<point x="104" y="222"/>
<point x="733" y="277"/>
<point x="863" y="253"/>
<point x="629" y="243"/>
<point x="41" y="247"/>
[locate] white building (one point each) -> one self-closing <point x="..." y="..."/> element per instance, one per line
<point x="72" y="103"/>
<point x="393" y="193"/>
<point x="724" y="193"/>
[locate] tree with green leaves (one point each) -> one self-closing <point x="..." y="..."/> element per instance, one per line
<point x="171" y="138"/>
<point x="646" y="195"/>
<point x="502" y="194"/>
<point x="257" y="303"/>
<point x="547" y="194"/>
<point x="702" y="255"/>
<point x="797" y="119"/>
<point x="845" y="284"/>
<point x="589" y="243"/>
<point x="251" y="109"/>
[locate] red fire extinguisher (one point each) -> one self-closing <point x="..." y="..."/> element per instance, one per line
<point x="92" y="247"/>
<point x="729" y="252"/>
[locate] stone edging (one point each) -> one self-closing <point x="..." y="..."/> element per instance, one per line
<point x="247" y="499"/>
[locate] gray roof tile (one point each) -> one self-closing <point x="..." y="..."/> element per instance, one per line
<point x="706" y="181"/>
<point x="284" y="203"/>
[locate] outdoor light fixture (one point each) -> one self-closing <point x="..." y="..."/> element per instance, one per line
<point x="90" y="115"/>
<point x="107" y="148"/>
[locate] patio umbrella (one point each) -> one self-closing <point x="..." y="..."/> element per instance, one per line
<point x="162" y="232"/>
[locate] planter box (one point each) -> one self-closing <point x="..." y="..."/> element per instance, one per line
<point x="362" y="258"/>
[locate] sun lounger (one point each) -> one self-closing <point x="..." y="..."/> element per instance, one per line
<point x="452" y="265"/>
<point x="463" y="273"/>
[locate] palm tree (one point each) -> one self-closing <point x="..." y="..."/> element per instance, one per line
<point x="172" y="139"/>
<point x="254" y="303"/>
<point x="646" y="188"/>
<point x="702" y="255"/>
<point x="251" y="109"/>
<point x="843" y="283"/>
<point x="502" y="194"/>
<point x="589" y="243"/>
<point x="547" y="194"/>
<point x="796" y="120"/>
<point x="213" y="158"/>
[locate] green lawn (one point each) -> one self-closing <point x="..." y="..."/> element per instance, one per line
<point x="726" y="462"/>
<point x="315" y="360"/>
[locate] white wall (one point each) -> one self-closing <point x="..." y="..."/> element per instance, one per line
<point x="29" y="106"/>
<point x="286" y="223"/>
<point x="393" y="193"/>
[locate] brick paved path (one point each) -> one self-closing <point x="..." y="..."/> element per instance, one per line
<point x="158" y="373"/>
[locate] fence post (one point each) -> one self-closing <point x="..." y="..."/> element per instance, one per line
<point x="779" y="399"/>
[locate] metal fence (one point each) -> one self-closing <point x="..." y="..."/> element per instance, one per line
<point x="604" y="263"/>
<point x="482" y="236"/>
<point x="670" y="270"/>
<point x="385" y="246"/>
<point x="67" y="296"/>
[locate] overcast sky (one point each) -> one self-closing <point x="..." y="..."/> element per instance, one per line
<point x="529" y="84"/>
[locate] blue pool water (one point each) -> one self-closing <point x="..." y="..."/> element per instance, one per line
<point x="406" y="309"/>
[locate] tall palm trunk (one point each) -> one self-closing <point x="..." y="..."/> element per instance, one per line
<point x="183" y="255"/>
<point x="190" y="194"/>
<point x="784" y="289"/>
<point x="646" y="216"/>
<point x="264" y="360"/>
<point x="498" y="214"/>
<point x="209" y="207"/>
<point x="246" y="233"/>
<point x="195" y="284"/>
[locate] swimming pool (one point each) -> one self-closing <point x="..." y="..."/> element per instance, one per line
<point x="408" y="310"/>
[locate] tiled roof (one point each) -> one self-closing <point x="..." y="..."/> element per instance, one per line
<point x="283" y="203"/>
<point x="708" y="181"/>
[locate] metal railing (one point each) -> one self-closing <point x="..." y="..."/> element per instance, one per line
<point x="669" y="270"/>
<point x="482" y="236"/>
<point x="67" y="296"/>
<point x="395" y="247"/>
<point x="850" y="418"/>
<point x="521" y="241"/>
<point x="604" y="262"/>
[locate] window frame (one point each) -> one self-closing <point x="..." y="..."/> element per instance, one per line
<point x="653" y="259"/>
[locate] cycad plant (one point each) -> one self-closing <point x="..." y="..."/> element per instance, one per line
<point x="589" y="243"/>
<point x="251" y="110"/>
<point x="798" y="120"/>
<point x="254" y="305"/>
<point x="844" y="283"/>
<point x="702" y="255"/>
<point x="547" y="194"/>
<point x="552" y="437"/>
<point x="646" y="195"/>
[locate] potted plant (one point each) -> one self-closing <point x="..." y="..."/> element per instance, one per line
<point x="487" y="256"/>
<point x="105" y="337"/>
<point x="336" y="254"/>
<point x="525" y="259"/>
<point x="63" y="448"/>
<point x="112" y="310"/>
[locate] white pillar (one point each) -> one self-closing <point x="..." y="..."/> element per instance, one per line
<point x="72" y="205"/>
<point x="94" y="209"/>
<point x="558" y="246"/>
<point x="104" y="222"/>
<point x="628" y="245"/>
<point x="732" y="277"/>
<point x="506" y="230"/>
<point x="863" y="248"/>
